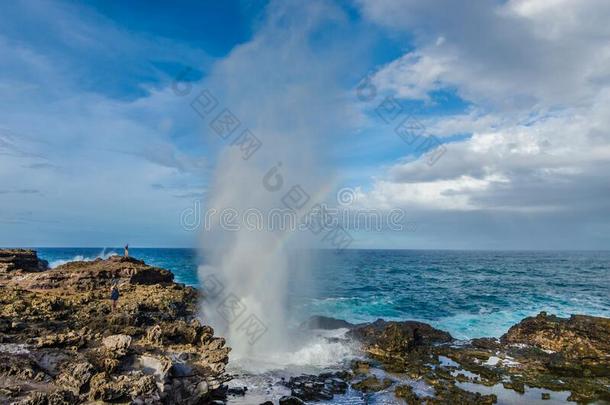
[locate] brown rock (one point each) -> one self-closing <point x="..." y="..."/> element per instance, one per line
<point x="394" y="340"/>
<point x="21" y="260"/>
<point x="75" y="376"/>
<point x="580" y="345"/>
<point x="117" y="345"/>
<point x="406" y="392"/>
<point x="372" y="384"/>
<point x="66" y="337"/>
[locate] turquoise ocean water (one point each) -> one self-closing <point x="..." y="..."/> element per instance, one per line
<point x="468" y="293"/>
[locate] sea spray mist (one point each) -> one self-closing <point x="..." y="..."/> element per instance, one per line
<point x="278" y="106"/>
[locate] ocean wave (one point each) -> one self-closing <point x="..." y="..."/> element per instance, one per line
<point x="80" y="258"/>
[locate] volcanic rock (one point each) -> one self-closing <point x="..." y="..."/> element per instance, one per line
<point x="394" y="340"/>
<point x="117" y="345"/>
<point x="325" y="322"/>
<point x="21" y="260"/>
<point x="60" y="341"/>
<point x="578" y="346"/>
<point x="290" y="400"/>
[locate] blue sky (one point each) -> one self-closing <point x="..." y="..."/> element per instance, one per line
<point x="97" y="148"/>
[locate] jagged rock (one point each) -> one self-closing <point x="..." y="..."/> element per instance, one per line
<point x="290" y="400"/>
<point x="103" y="388"/>
<point x="237" y="391"/>
<point x="372" y="384"/>
<point x="579" y="345"/>
<point x="72" y="338"/>
<point x="155" y="335"/>
<point x="75" y="376"/>
<point x="179" y="332"/>
<point x="22" y="367"/>
<point x="151" y="350"/>
<point x="486" y="343"/>
<point x="360" y="367"/>
<point x="59" y="397"/>
<point x="144" y="386"/>
<point x="394" y="340"/>
<point x="451" y="394"/>
<point x="117" y="345"/>
<point x="406" y="392"/>
<point x="93" y="275"/>
<point x="317" y="387"/>
<point x="21" y="259"/>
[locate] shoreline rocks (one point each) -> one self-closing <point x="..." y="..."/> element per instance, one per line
<point x="570" y="355"/>
<point x="61" y="343"/>
<point x="23" y="260"/>
<point x="577" y="346"/>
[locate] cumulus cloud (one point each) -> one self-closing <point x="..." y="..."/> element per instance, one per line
<point x="537" y="76"/>
<point x="524" y="53"/>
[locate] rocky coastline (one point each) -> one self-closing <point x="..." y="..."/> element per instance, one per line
<point x="60" y="343"/>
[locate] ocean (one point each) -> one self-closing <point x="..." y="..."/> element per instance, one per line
<point x="468" y="293"/>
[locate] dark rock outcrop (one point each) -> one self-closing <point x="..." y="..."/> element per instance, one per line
<point x="318" y="387"/>
<point x="325" y="322"/>
<point x="545" y="351"/>
<point x="390" y="340"/>
<point x="21" y="260"/>
<point x="290" y="400"/>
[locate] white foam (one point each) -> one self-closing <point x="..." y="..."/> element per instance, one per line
<point x="80" y="258"/>
<point x="14" y="348"/>
<point x="316" y="353"/>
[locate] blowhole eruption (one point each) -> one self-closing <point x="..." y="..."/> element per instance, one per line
<point x="276" y="159"/>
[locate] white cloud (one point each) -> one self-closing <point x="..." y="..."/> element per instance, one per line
<point x="537" y="74"/>
<point x="521" y="54"/>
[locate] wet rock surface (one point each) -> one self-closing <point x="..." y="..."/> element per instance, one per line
<point x="395" y="341"/>
<point x="61" y="343"/>
<point x="550" y="357"/>
<point x="318" y="387"/>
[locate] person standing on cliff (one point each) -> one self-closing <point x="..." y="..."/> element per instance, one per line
<point x="114" y="295"/>
<point x="126" y="250"/>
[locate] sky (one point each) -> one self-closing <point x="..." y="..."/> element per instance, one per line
<point x="506" y="105"/>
